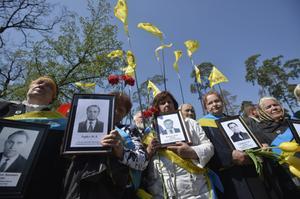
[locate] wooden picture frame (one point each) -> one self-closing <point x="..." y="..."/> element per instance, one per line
<point x="237" y="134"/>
<point x="295" y="128"/>
<point x="21" y="143"/>
<point x="91" y="118"/>
<point x="170" y="128"/>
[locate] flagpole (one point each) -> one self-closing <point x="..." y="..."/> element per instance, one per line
<point x="164" y="67"/>
<point x="221" y="92"/>
<point x="180" y="88"/>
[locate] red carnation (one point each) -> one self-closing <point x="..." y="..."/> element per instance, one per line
<point x="153" y="110"/>
<point x="129" y="80"/>
<point x="113" y="79"/>
<point x="147" y="114"/>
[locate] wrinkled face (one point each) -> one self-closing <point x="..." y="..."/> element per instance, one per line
<point x="273" y="108"/>
<point x="120" y="112"/>
<point x="234" y="128"/>
<point x="166" y="105"/>
<point x="14" y="145"/>
<point x="187" y="110"/>
<point x="214" y="105"/>
<point x="138" y="118"/>
<point x="92" y="113"/>
<point x="168" y="124"/>
<point x="42" y="91"/>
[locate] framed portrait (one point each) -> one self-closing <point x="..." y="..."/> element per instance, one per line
<point x="91" y="118"/>
<point x="20" y="147"/>
<point x="295" y="128"/>
<point x="170" y="129"/>
<point x="237" y="134"/>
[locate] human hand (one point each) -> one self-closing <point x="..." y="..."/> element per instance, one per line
<point x="183" y="150"/>
<point x="239" y="157"/>
<point x="153" y="146"/>
<point x="114" y="140"/>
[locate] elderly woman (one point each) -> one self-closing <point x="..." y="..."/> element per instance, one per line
<point x="273" y="129"/>
<point x="172" y="178"/>
<point x="234" y="168"/>
<point x="187" y="110"/>
<point x="92" y="177"/>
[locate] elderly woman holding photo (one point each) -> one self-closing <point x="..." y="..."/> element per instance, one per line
<point x="237" y="173"/>
<point x="171" y="176"/>
<point x="273" y="129"/>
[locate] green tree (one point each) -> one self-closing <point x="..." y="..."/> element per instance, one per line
<point x="76" y="54"/>
<point x="274" y="77"/>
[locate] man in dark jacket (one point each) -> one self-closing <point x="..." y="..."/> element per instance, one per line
<point x="238" y="135"/>
<point x="91" y="124"/>
<point x="11" y="160"/>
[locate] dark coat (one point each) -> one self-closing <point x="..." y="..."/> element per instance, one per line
<point x="235" y="137"/>
<point x="17" y="166"/>
<point x="9" y="109"/>
<point x="82" y="127"/>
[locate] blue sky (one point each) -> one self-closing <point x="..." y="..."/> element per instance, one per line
<point x="228" y="31"/>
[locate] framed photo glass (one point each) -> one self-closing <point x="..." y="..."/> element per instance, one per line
<point x="91" y="118"/>
<point x="170" y="129"/>
<point x="237" y="134"/>
<point x="20" y="146"/>
<point x="295" y="128"/>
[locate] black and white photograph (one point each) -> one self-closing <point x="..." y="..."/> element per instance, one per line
<point x="295" y="128"/>
<point x="170" y="129"/>
<point x="90" y="120"/>
<point x="237" y="134"/>
<point x="19" y="146"/>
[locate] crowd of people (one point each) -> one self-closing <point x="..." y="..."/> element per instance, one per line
<point x="204" y="167"/>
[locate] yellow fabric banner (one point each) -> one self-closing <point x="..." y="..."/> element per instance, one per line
<point x="131" y="59"/>
<point x="128" y="71"/>
<point x="192" y="46"/>
<point x="151" y="86"/>
<point x="207" y="122"/>
<point x="216" y="77"/>
<point x="37" y="114"/>
<point x="197" y="74"/>
<point x="160" y="48"/>
<point x="85" y="85"/>
<point x="115" y="53"/>
<point x="151" y="29"/>
<point x="178" y="54"/>
<point x="121" y="12"/>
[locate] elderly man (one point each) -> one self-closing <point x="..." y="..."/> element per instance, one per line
<point x="11" y="160"/>
<point x="40" y="95"/>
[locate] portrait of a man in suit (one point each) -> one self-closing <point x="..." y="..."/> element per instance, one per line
<point x="169" y="129"/>
<point x="92" y="123"/>
<point x="238" y="135"/>
<point x="11" y="160"/>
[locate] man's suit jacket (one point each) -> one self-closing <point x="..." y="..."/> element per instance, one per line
<point x="165" y="132"/>
<point x="83" y="126"/>
<point x="17" y="166"/>
<point x="235" y="137"/>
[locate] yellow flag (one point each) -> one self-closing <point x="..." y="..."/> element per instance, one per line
<point x="151" y="28"/>
<point x="178" y="54"/>
<point x="192" y="46"/>
<point x="131" y="59"/>
<point x="151" y="86"/>
<point x="216" y="77"/>
<point x="160" y="48"/>
<point x="85" y="85"/>
<point x="128" y="71"/>
<point x="115" y="53"/>
<point x="197" y="73"/>
<point x="121" y="12"/>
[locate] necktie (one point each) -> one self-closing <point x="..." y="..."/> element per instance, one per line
<point x="3" y="166"/>
<point x="90" y="129"/>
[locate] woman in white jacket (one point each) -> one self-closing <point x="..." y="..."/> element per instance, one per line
<point x="165" y="178"/>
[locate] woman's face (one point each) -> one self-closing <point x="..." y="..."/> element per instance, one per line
<point x="166" y="105"/>
<point x="273" y="108"/>
<point x="214" y="105"/>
